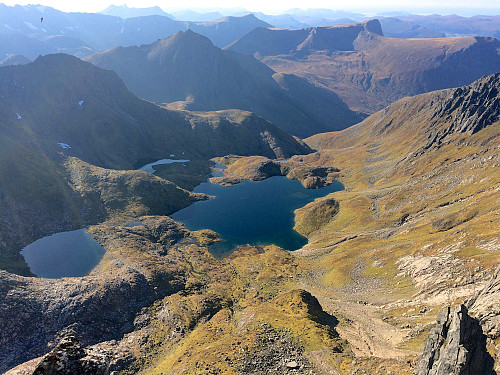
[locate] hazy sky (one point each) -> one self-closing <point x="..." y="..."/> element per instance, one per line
<point x="275" y="6"/>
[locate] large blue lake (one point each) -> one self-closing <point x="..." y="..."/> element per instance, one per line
<point x="252" y="212"/>
<point x="65" y="254"/>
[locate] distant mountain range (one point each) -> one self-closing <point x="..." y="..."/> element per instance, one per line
<point x="453" y="25"/>
<point x="188" y="69"/>
<point x="368" y="70"/>
<point x="60" y="107"/>
<point x="23" y="32"/>
<point x="90" y="32"/>
<point x="123" y="11"/>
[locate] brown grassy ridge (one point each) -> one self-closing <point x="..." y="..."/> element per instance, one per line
<point x="224" y="322"/>
<point x="396" y="203"/>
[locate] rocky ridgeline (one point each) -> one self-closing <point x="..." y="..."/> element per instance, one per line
<point x="458" y="344"/>
<point x="68" y="357"/>
<point x="468" y="109"/>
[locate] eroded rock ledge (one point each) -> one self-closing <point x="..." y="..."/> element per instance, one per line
<point x="456" y="345"/>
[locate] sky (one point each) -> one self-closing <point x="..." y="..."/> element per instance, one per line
<point x="464" y="7"/>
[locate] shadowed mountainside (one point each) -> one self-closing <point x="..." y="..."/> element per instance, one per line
<point x="59" y="107"/>
<point x="263" y="42"/>
<point x="188" y="70"/>
<point x="367" y="70"/>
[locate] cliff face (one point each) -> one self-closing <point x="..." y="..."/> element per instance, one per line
<point x="456" y="345"/>
<point x="459" y="342"/>
<point x="468" y="109"/>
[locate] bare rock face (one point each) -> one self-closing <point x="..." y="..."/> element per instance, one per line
<point x="69" y="357"/>
<point x="456" y="345"/>
<point x="486" y="308"/>
<point x="468" y="109"/>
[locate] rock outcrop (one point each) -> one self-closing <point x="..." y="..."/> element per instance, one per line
<point x="468" y="109"/>
<point x="71" y="358"/>
<point x="486" y="308"/>
<point x="456" y="345"/>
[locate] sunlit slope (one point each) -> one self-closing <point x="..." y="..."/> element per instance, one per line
<point x="421" y="202"/>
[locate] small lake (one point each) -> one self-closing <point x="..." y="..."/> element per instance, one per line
<point x="149" y="167"/>
<point x="65" y="254"/>
<point x="252" y="212"/>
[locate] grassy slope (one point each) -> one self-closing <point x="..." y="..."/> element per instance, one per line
<point x="418" y="223"/>
<point x="414" y="229"/>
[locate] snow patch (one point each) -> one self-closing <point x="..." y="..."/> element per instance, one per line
<point x="18" y="116"/>
<point x="30" y="25"/>
<point x="80" y="103"/>
<point x="64" y="146"/>
<point x="8" y="27"/>
<point x="172" y="155"/>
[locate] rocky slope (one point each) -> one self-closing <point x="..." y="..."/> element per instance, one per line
<point x="60" y="107"/>
<point x="367" y="70"/>
<point x="190" y="72"/>
<point x="200" y="302"/>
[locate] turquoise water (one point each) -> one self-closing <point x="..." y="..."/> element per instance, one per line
<point x="252" y="212"/>
<point x="65" y="254"/>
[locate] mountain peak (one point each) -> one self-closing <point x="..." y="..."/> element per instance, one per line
<point x="188" y="36"/>
<point x="185" y="43"/>
<point x="374" y="26"/>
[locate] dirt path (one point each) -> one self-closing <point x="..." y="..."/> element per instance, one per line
<point x="364" y="329"/>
